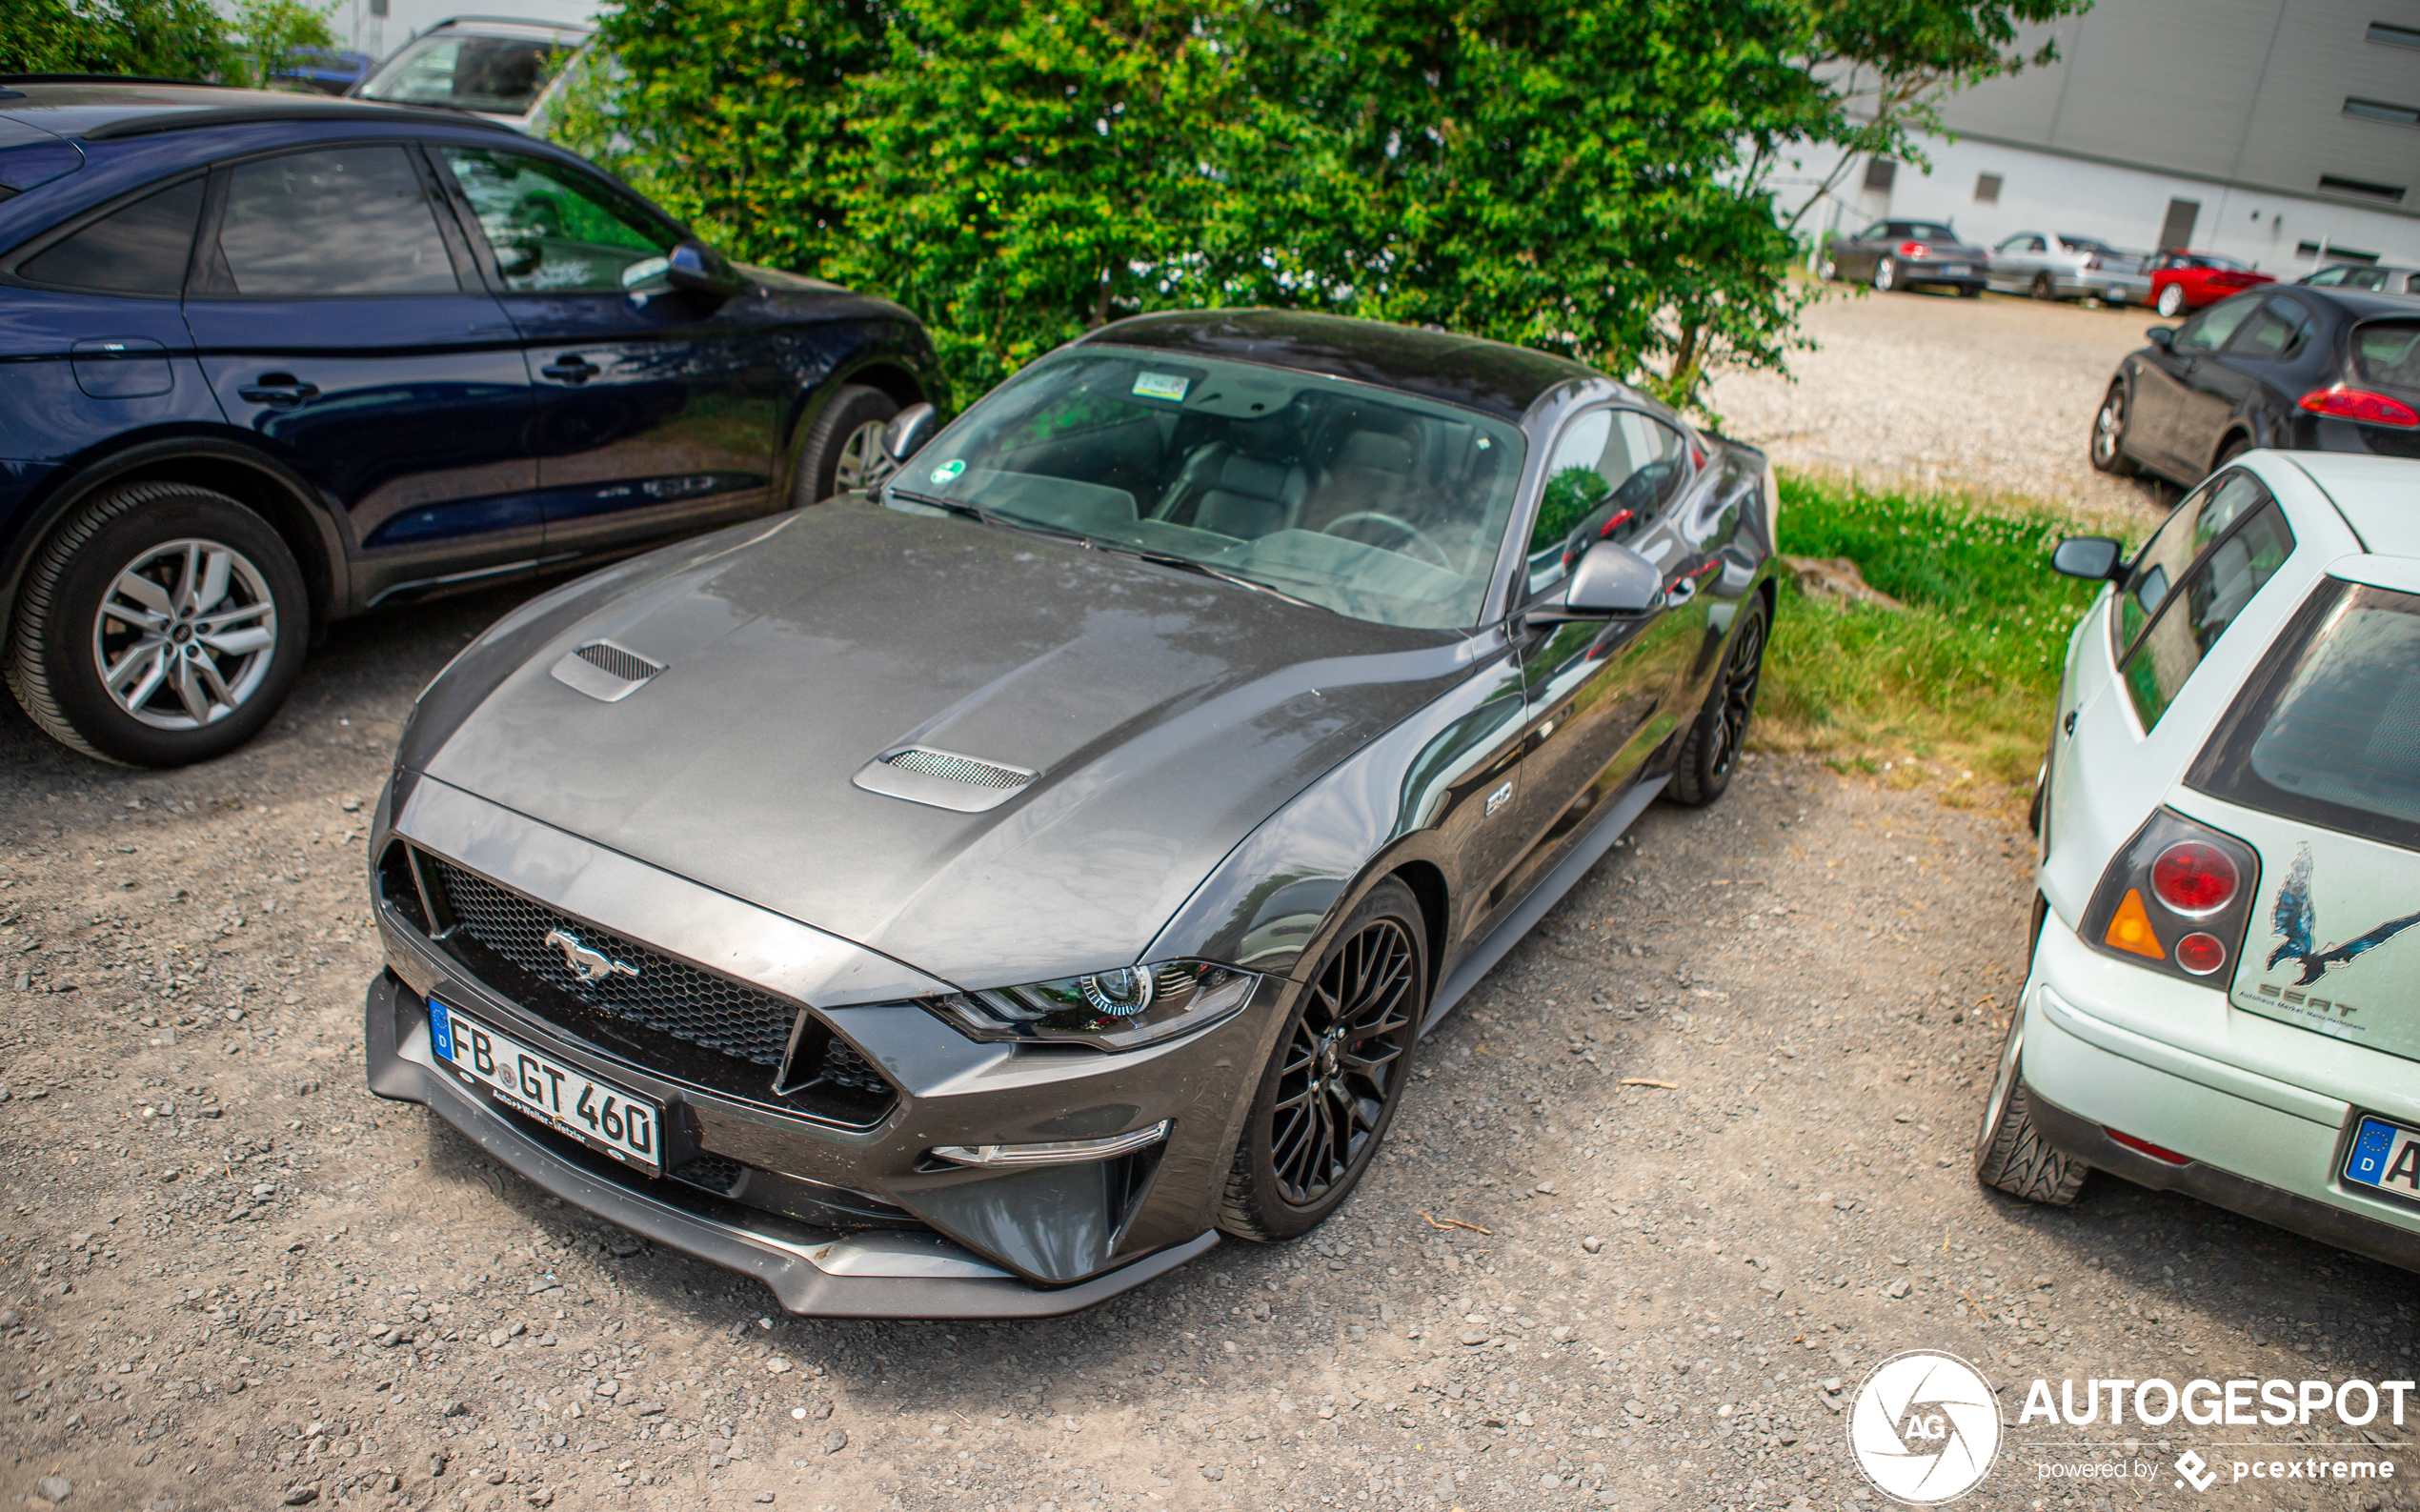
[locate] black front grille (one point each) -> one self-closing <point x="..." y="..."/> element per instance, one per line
<point x="668" y="996"/>
<point x="713" y="1171"/>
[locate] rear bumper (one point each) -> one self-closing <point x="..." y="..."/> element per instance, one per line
<point x="2117" y="289"/>
<point x="826" y="1273"/>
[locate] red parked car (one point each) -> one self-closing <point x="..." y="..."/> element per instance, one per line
<point x="2188" y="280"/>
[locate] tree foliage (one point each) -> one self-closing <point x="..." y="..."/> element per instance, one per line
<point x="1594" y="180"/>
<point x="160" y="39"/>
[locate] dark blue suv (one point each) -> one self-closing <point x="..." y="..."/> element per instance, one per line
<point x="272" y="359"/>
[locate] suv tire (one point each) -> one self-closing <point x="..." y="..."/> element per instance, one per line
<point x="844" y="448"/>
<point x="190" y="598"/>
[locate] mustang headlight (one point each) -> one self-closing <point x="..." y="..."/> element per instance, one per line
<point x="1121" y="1009"/>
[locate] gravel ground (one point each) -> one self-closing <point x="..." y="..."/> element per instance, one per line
<point x="1989" y="397"/>
<point x="1690" y="1162"/>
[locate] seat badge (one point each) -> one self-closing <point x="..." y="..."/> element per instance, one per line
<point x="588" y="965"/>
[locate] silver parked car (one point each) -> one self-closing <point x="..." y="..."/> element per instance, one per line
<point x="2050" y="265"/>
<point x="509" y="71"/>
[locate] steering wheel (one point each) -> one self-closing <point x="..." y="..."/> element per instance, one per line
<point x="1412" y="534"/>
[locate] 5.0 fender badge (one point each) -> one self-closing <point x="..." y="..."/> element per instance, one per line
<point x="588" y="965"/>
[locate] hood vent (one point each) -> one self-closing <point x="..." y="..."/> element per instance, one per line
<point x="944" y="779"/>
<point x="958" y="769"/>
<point x="605" y="672"/>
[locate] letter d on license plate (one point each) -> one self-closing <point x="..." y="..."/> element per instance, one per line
<point x="2386" y="1157"/>
<point x="598" y="1114"/>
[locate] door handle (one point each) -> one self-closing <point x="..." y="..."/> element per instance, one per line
<point x="570" y="368"/>
<point x="279" y="391"/>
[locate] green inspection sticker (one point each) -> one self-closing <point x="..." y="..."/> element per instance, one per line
<point x="1161" y="386"/>
<point x="948" y="470"/>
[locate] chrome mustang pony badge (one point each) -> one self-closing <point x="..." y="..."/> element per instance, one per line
<point x="588" y="965"/>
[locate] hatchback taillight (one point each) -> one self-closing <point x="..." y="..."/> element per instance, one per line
<point x="2177" y="898"/>
<point x="2359" y="404"/>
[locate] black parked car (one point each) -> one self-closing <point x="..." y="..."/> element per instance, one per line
<point x="2301" y="369"/>
<point x="1908" y="254"/>
<point x="270" y="359"/>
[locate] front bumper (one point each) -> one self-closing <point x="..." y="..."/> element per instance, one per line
<point x="841" y="1210"/>
<point x="2109" y="1046"/>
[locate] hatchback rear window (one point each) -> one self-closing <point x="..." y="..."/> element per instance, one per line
<point x="2328" y="730"/>
<point x="2387" y="353"/>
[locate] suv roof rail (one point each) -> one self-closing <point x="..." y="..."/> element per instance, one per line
<point x="305" y="110"/>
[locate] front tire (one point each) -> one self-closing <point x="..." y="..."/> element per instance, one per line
<point x="161" y="624"/>
<point x="844" y="450"/>
<point x="1333" y="1082"/>
<point x="2011" y="1154"/>
<point x="2107" y="449"/>
<point x="2171" y="301"/>
<point x="2044" y="289"/>
<point x="1886" y="276"/>
<point x="1711" y="753"/>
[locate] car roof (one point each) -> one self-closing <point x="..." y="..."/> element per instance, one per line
<point x="98" y="109"/>
<point x="509" y="26"/>
<point x="2379" y="496"/>
<point x="1489" y="377"/>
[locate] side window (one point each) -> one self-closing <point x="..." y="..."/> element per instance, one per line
<point x="2204" y="515"/>
<point x="140" y="250"/>
<point x="1609" y="472"/>
<point x="2387" y="353"/>
<point x="2208" y="331"/>
<point x="2276" y="332"/>
<point x="557" y="231"/>
<point x="2326" y="277"/>
<point x="1874" y="233"/>
<point x="2213" y="593"/>
<point x="347" y="220"/>
<point x="2365" y="279"/>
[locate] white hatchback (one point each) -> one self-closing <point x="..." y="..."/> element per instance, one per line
<point x="2225" y="992"/>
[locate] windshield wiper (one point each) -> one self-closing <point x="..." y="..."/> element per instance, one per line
<point x="1187" y="564"/>
<point x="972" y="510"/>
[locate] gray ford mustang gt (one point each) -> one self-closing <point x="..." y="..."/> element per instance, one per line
<point x="973" y="899"/>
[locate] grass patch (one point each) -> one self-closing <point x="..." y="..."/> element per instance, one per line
<point x="1966" y="675"/>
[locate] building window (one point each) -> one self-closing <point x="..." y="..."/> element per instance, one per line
<point x="2176" y="231"/>
<point x="2393" y="37"/>
<point x="2337" y="254"/>
<point x="1987" y="188"/>
<point x="2382" y="111"/>
<point x="2360" y="188"/>
<point x="1878" y="174"/>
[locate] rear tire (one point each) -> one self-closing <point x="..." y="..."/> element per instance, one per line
<point x="2108" y="446"/>
<point x="1886" y="276"/>
<point x="2171" y="301"/>
<point x="160" y="624"/>
<point x="1970" y="291"/>
<point x="2231" y="451"/>
<point x="2044" y="288"/>
<point x="1335" y="1076"/>
<point x="2011" y="1154"/>
<point x="1711" y="753"/>
<point x="844" y="450"/>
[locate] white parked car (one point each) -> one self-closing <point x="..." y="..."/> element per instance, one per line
<point x="503" y="70"/>
<point x="2225" y="993"/>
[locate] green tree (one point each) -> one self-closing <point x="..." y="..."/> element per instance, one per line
<point x="166" y="39"/>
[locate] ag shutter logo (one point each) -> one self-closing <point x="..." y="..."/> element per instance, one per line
<point x="1924" y="1429"/>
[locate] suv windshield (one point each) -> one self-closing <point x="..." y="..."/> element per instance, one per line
<point x="2328" y="731"/>
<point x="1369" y="502"/>
<point x="493" y="76"/>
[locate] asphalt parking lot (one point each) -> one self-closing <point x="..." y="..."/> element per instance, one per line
<point x="1687" y="1164"/>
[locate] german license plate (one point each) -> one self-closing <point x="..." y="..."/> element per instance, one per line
<point x="2386" y="1157"/>
<point x="1954" y="270"/>
<point x="598" y="1114"/>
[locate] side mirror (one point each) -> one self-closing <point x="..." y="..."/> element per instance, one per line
<point x="1610" y="582"/>
<point x="2162" y="337"/>
<point x="908" y="432"/>
<point x="695" y="268"/>
<point x="2093" y="558"/>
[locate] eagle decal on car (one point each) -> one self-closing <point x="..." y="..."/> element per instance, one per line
<point x="2296" y="921"/>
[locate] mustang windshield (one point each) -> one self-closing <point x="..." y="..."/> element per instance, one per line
<point x="1372" y="503"/>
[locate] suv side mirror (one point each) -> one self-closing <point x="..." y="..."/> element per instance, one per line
<point x="2162" y="337"/>
<point x="2096" y="558"/>
<point x="1610" y="582"/>
<point x="695" y="268"/>
<point x="908" y="432"/>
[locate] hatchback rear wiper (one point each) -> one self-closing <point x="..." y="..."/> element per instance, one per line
<point x="1187" y="564"/>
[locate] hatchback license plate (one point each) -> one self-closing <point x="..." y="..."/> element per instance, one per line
<point x="1954" y="270"/>
<point x="2386" y="1157"/>
<point x="611" y="1119"/>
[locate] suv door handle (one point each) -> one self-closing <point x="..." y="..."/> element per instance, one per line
<point x="279" y="391"/>
<point x="570" y="368"/>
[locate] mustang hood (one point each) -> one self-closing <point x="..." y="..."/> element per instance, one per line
<point x="1165" y="717"/>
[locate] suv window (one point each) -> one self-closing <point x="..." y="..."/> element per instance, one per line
<point x="2328" y="730"/>
<point x="2276" y="332"/>
<point x="140" y="250"/>
<point x="345" y="220"/>
<point x="2208" y="331"/>
<point x="555" y="229"/>
<point x="2213" y="594"/>
<point x="1609" y="472"/>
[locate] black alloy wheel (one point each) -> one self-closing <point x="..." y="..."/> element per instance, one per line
<point x="1333" y="1082"/>
<point x="843" y="450"/>
<point x="2108" y="435"/>
<point x="1712" y="752"/>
